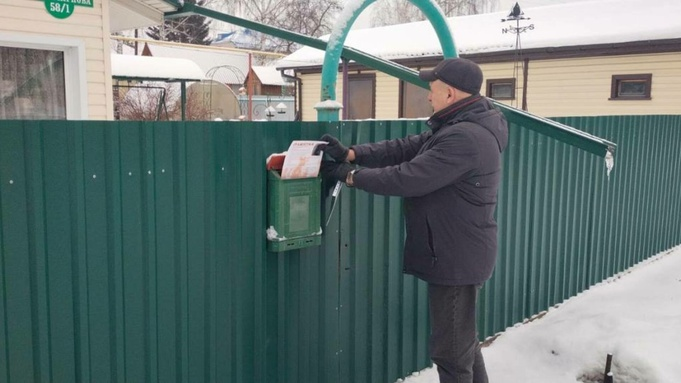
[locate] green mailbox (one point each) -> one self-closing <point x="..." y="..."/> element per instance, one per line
<point x="293" y="212"/>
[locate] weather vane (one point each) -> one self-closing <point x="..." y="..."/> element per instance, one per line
<point x="518" y="63"/>
<point x="516" y="15"/>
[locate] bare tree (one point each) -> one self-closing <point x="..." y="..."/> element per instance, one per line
<point x="193" y="29"/>
<point x="389" y="12"/>
<point x="196" y="109"/>
<point x="158" y="101"/>
<point x="308" y="17"/>
<point x="148" y="102"/>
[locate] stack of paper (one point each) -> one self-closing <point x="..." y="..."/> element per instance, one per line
<point x="302" y="160"/>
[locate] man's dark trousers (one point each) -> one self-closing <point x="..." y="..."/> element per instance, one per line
<point x="454" y="345"/>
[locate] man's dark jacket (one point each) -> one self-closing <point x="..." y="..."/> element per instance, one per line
<point x="449" y="177"/>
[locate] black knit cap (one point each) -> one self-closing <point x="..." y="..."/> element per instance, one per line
<point x="460" y="73"/>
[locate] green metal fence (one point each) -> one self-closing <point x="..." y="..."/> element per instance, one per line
<point x="135" y="252"/>
<point x="564" y="225"/>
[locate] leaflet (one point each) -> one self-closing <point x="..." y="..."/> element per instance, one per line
<point x="303" y="159"/>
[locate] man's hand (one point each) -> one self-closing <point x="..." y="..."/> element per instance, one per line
<point x="335" y="149"/>
<point x="336" y="170"/>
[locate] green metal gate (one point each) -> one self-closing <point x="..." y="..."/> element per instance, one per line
<point x="135" y="252"/>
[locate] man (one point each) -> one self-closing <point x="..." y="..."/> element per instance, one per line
<point x="449" y="177"/>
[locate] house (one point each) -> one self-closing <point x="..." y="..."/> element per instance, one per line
<point x="267" y="81"/>
<point x="599" y="57"/>
<point x="55" y="59"/>
<point x="241" y="38"/>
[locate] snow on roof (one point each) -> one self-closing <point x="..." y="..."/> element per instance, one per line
<point x="227" y="67"/>
<point x="579" y="23"/>
<point x="162" y="68"/>
<point x="269" y="75"/>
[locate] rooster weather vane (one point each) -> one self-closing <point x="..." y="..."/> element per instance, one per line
<point x="516" y="15"/>
<point x="519" y="64"/>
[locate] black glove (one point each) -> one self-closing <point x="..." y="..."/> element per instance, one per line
<point x="335" y="149"/>
<point x="336" y="170"/>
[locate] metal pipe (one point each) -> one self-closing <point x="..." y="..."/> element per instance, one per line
<point x="183" y="98"/>
<point x="346" y="91"/>
<point x="298" y="116"/>
<point x="526" y="73"/>
<point x="249" y="85"/>
<point x="336" y="49"/>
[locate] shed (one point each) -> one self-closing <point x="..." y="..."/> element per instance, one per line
<point x="267" y="81"/>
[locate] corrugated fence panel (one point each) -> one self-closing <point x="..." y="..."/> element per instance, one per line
<point x="303" y="296"/>
<point x="564" y="225"/>
<point x="135" y="251"/>
<point x="384" y="322"/>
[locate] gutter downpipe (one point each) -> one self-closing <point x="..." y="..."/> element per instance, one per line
<point x="346" y="91"/>
<point x="299" y="94"/>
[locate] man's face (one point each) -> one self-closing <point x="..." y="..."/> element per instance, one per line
<point x="439" y="96"/>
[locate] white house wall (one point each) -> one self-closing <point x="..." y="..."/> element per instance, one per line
<point x="30" y="19"/>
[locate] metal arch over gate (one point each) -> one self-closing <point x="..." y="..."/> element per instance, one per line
<point x="556" y="130"/>
<point x="434" y="14"/>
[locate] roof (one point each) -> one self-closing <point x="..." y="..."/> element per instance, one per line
<point x="269" y="75"/>
<point x="155" y="68"/>
<point x="129" y="14"/>
<point x="573" y="24"/>
<point x="242" y="38"/>
<point x="227" y="67"/>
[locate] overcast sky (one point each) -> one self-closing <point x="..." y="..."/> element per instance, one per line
<point x="364" y="20"/>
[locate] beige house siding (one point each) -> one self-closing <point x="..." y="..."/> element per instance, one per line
<point x="504" y="71"/>
<point x="387" y="97"/>
<point x="556" y="88"/>
<point x="312" y="88"/>
<point x="387" y="100"/>
<point x="90" y="25"/>
<point x="581" y="86"/>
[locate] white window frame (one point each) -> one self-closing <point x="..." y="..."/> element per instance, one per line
<point x="75" y="74"/>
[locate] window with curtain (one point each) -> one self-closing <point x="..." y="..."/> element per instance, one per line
<point x="362" y="94"/>
<point x="631" y="86"/>
<point x="501" y="88"/>
<point x="414" y="101"/>
<point x="32" y="84"/>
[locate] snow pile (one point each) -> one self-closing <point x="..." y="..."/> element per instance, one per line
<point x="636" y="316"/>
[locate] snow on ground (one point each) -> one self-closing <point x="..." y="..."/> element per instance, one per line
<point x="635" y="315"/>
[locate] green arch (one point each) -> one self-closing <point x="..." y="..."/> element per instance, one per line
<point x="337" y="39"/>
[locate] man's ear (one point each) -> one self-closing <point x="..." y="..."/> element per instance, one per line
<point x="451" y="92"/>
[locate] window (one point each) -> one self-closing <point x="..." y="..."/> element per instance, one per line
<point x="42" y="77"/>
<point x="414" y="101"/>
<point x="631" y="87"/>
<point x="501" y="89"/>
<point x="32" y="84"/>
<point x="361" y="94"/>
